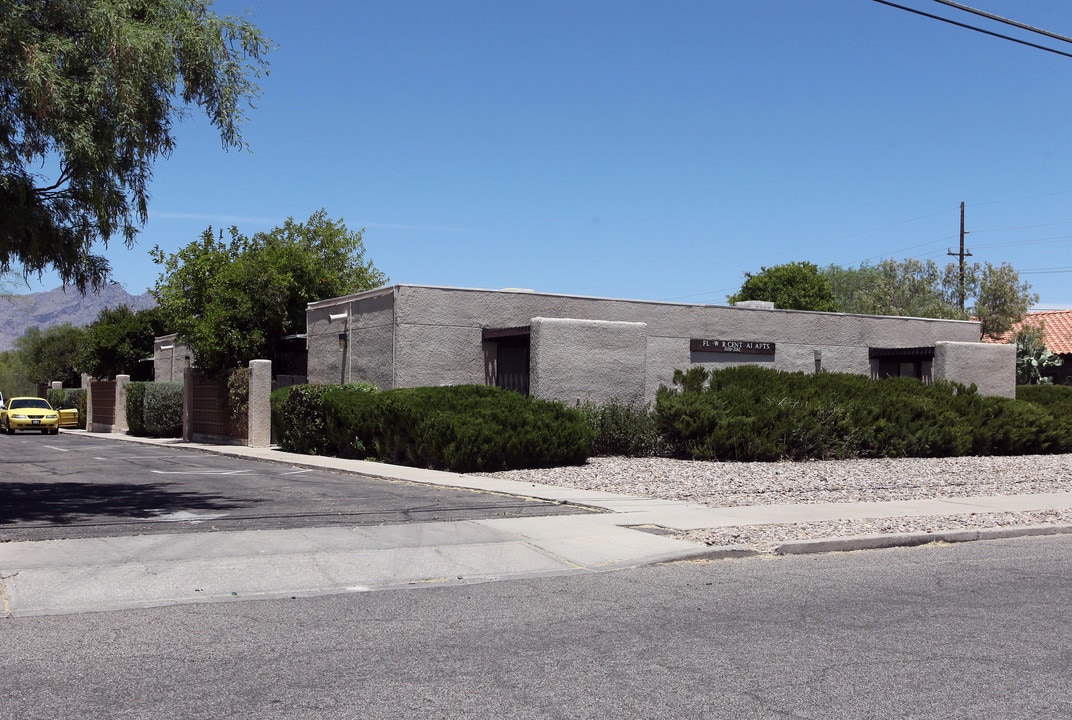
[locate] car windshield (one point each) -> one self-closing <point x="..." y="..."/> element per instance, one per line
<point x="30" y="403"/>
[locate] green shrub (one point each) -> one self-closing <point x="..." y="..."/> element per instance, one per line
<point x="235" y="398"/>
<point x="136" y="408"/>
<point x="298" y="420"/>
<point x="163" y="409"/>
<point x="464" y="428"/>
<point x="350" y="421"/>
<point x="64" y="398"/>
<point x="477" y="428"/>
<point x="1056" y="398"/>
<point x="622" y="429"/>
<point x="755" y="413"/>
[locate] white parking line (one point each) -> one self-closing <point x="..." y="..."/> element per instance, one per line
<point x="199" y="472"/>
<point x="187" y="516"/>
<point x="58" y="449"/>
<point x="297" y="472"/>
<point x="143" y="457"/>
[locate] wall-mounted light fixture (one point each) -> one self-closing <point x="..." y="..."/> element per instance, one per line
<point x="167" y="347"/>
<point x="336" y="316"/>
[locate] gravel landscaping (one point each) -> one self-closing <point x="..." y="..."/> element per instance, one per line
<point x="842" y="481"/>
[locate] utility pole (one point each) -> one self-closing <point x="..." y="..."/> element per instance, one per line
<point x="962" y="254"/>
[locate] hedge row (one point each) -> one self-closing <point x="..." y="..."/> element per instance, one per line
<point x="1055" y="398"/>
<point x="64" y="398"/>
<point x="154" y="409"/>
<point x="753" y="413"/>
<point x="463" y="428"/>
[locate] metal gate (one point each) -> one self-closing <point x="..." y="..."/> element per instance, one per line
<point x="102" y="394"/>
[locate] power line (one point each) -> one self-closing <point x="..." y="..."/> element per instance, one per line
<point x="975" y="28"/>
<point x="1007" y="21"/>
<point x="1023" y="227"/>
<point x="1045" y="271"/>
<point x="1028" y="197"/>
<point x="1036" y="241"/>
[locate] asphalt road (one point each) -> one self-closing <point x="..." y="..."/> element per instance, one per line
<point x="977" y="630"/>
<point x="77" y="486"/>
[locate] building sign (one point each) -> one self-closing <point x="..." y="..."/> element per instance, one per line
<point x="745" y="347"/>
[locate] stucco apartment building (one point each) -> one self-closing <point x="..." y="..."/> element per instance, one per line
<point x="572" y="348"/>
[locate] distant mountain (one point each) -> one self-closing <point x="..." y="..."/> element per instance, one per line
<point x="55" y="307"/>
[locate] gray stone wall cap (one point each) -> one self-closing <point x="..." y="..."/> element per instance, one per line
<point x="387" y="289"/>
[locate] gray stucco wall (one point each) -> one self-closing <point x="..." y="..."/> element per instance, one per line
<point x="170" y="358"/>
<point x="365" y="353"/>
<point x="991" y="367"/>
<point x="588" y="360"/>
<point x="408" y="335"/>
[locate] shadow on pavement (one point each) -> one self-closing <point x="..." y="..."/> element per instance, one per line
<point x="66" y="503"/>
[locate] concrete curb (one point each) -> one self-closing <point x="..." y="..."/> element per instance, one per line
<point x="877" y="542"/>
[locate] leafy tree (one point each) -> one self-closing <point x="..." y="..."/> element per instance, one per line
<point x="118" y="339"/>
<point x="51" y="354"/>
<point x="911" y="288"/>
<point x="793" y="286"/>
<point x="917" y="288"/>
<point x="12" y="381"/>
<point x="90" y="92"/>
<point x="235" y="301"/>
<point x="1003" y="300"/>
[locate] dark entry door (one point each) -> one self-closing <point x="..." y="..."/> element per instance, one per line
<point x="512" y="364"/>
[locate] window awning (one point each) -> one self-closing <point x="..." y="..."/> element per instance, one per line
<point x="509" y="332"/>
<point x="925" y="353"/>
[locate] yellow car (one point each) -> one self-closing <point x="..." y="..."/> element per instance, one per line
<point x="28" y="413"/>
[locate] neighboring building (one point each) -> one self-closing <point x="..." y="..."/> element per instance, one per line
<point x="170" y="358"/>
<point x="574" y="348"/>
<point x="1056" y="336"/>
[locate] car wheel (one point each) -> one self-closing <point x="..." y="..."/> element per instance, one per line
<point x="54" y="431"/>
<point x="7" y="428"/>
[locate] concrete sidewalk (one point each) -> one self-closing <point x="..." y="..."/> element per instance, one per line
<point x="71" y="576"/>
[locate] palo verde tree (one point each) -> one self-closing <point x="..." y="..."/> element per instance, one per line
<point x="234" y="301"/>
<point x="1002" y="300"/>
<point x="910" y="288"/>
<point x="90" y="92"/>
<point x="792" y="286"/>
<point x="915" y="288"/>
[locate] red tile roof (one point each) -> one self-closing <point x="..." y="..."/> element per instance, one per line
<point x="1057" y="330"/>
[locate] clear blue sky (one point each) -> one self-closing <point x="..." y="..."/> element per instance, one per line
<point x="638" y="149"/>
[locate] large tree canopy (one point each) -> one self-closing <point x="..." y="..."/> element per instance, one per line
<point x="910" y="288"/>
<point x="52" y="354"/>
<point x="118" y="340"/>
<point x="235" y="301"/>
<point x="90" y="90"/>
<point x="793" y="286"/>
<point x="995" y="295"/>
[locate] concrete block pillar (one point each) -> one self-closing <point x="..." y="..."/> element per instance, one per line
<point x="260" y="403"/>
<point x="587" y="360"/>
<point x="121" y="404"/>
<point x="89" y="406"/>
<point x="991" y="366"/>
<point x="187" y="405"/>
